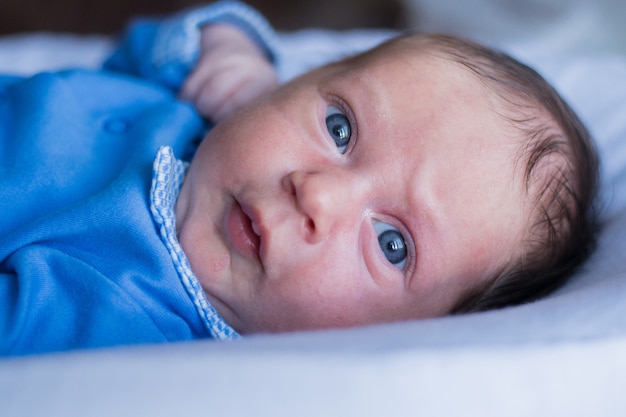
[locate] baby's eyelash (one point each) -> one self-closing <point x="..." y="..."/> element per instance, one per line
<point x="391" y="247"/>
<point x="341" y="104"/>
<point x="339" y="128"/>
<point x="392" y="243"/>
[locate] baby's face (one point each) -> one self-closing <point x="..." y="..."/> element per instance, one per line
<point x="374" y="190"/>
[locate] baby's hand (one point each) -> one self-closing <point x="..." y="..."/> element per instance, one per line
<point x="231" y="72"/>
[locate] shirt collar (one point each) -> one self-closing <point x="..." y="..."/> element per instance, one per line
<point x="167" y="179"/>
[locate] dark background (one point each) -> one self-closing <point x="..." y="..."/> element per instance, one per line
<point x="110" y="16"/>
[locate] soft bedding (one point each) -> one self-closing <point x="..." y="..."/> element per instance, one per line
<point x="563" y="355"/>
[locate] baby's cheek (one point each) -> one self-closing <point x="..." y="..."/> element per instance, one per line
<point x="217" y="264"/>
<point x="208" y="257"/>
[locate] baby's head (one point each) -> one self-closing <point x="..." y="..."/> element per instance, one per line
<point x="425" y="177"/>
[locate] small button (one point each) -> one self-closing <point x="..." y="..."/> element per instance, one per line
<point x="117" y="125"/>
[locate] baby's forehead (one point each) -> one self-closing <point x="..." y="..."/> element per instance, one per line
<point x="411" y="59"/>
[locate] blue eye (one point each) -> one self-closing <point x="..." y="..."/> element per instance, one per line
<point x="338" y="127"/>
<point x="392" y="243"/>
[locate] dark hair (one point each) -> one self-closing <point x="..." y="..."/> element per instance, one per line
<point x="560" y="173"/>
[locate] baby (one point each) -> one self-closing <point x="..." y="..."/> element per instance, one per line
<point x="425" y="177"/>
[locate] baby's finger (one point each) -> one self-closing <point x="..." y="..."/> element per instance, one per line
<point x="216" y="93"/>
<point x="248" y="90"/>
<point x="193" y="84"/>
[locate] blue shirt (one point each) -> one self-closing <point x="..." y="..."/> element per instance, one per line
<point x="86" y="260"/>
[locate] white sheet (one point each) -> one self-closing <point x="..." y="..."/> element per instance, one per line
<point x="564" y="355"/>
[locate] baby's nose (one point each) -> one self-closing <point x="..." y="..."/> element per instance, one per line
<point x="326" y="201"/>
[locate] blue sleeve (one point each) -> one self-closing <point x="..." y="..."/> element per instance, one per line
<point x="165" y="51"/>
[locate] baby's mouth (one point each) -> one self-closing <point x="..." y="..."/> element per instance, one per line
<point x="243" y="232"/>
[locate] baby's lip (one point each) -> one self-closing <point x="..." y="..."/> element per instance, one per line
<point x="257" y="227"/>
<point x="243" y="231"/>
